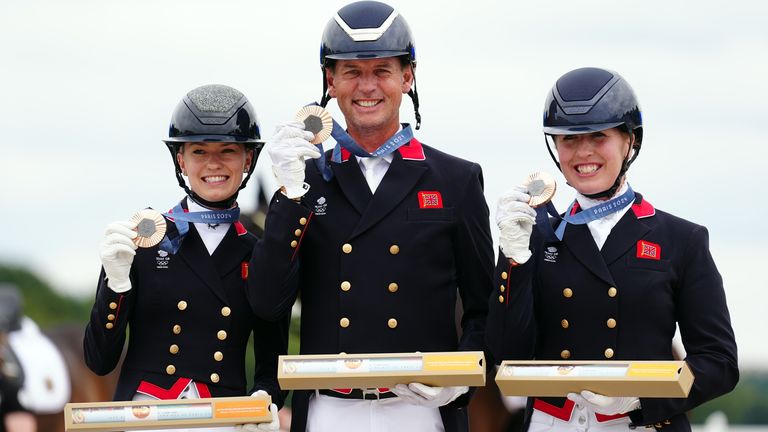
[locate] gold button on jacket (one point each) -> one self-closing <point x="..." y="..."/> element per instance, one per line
<point x="170" y="369"/>
<point x="567" y="293"/>
<point x="345" y="286"/>
<point x="173" y="349"/>
<point x="218" y="356"/>
<point x="344" y="322"/>
<point x="346" y="248"/>
<point x="221" y="334"/>
<point x="214" y="377"/>
<point x="182" y="305"/>
<point x="392" y="323"/>
<point x="394" y="249"/>
<point x="393" y="287"/>
<point x="225" y="311"/>
<point x="565" y="354"/>
<point x="176" y="329"/>
<point x="609" y="353"/>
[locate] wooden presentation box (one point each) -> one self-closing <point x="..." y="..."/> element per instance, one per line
<point x="672" y="379"/>
<point x="166" y="414"/>
<point x="308" y="372"/>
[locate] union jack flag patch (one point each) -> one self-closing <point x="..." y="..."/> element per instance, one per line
<point x="648" y="250"/>
<point x="430" y="199"/>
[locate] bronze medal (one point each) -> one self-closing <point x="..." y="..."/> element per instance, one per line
<point x="541" y="187"/>
<point x="316" y="120"/>
<point x="150" y="228"/>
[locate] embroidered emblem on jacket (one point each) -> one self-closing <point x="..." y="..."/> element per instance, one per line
<point x="162" y="259"/>
<point x="430" y="199"/>
<point x="550" y="254"/>
<point x="648" y="250"/>
<point x="321" y="206"/>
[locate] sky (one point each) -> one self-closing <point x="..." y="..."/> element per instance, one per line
<point x="87" y="88"/>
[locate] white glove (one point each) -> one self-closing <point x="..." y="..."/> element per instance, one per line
<point x="117" y="250"/>
<point x="605" y="405"/>
<point x="274" y="425"/>
<point x="288" y="148"/>
<point x="515" y="219"/>
<point x="426" y="396"/>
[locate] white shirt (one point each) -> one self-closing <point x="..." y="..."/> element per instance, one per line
<point x="602" y="227"/>
<point x="374" y="169"/>
<point x="211" y="235"/>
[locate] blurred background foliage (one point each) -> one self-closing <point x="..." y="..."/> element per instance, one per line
<point x="747" y="404"/>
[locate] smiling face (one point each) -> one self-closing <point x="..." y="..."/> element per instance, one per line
<point x="214" y="169"/>
<point x="369" y="93"/>
<point x="591" y="162"/>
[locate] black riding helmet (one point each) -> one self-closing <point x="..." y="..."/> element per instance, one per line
<point x="214" y="113"/>
<point x="366" y="30"/>
<point x="590" y="100"/>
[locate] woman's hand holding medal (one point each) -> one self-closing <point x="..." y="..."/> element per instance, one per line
<point x="515" y="214"/>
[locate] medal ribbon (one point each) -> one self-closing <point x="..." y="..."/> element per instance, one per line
<point x="584" y="216"/>
<point x="344" y="140"/>
<point x="182" y="218"/>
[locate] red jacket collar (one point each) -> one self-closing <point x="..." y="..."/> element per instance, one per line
<point x="643" y="209"/>
<point x="411" y="151"/>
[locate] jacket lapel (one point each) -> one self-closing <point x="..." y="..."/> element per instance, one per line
<point x="398" y="182"/>
<point x="195" y="255"/>
<point x="352" y="183"/>
<point x="579" y="241"/>
<point x="623" y="236"/>
<point x="231" y="252"/>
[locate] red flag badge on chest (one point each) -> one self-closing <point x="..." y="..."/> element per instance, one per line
<point x="430" y="199"/>
<point x="648" y="250"/>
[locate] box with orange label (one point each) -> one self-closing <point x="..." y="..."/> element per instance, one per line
<point x="166" y="414"/>
<point x="672" y="379"/>
<point x="308" y="372"/>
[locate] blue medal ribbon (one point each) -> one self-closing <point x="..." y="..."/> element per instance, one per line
<point x="584" y="216"/>
<point x="182" y="219"/>
<point x="343" y="139"/>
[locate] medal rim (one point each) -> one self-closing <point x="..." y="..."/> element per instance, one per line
<point x="550" y="187"/>
<point x="325" y="119"/>
<point x="160" y="227"/>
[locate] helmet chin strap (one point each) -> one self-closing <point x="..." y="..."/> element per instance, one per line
<point x="224" y="204"/>
<point x="414" y="94"/>
<point x="326" y="97"/>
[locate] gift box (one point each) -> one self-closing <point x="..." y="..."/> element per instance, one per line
<point x="166" y="414"/>
<point x="334" y="371"/>
<point x="672" y="379"/>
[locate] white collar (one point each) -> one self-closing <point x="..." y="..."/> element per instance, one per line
<point x="586" y="202"/>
